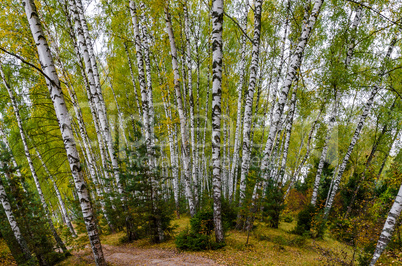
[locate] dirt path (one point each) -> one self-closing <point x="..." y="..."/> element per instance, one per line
<point x="128" y="255"/>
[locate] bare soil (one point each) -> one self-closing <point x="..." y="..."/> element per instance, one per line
<point x="129" y="255"/>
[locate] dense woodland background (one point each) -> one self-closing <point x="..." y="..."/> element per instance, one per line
<point x="121" y="116"/>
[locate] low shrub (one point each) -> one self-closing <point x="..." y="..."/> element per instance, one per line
<point x="304" y="220"/>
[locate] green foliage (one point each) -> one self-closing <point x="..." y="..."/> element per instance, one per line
<point x="202" y="222"/>
<point x="304" y="220"/>
<point x="30" y="217"/>
<point x="273" y="204"/>
<point x="146" y="211"/>
<point x="288" y="219"/>
<point x="188" y="240"/>
<point x="229" y="215"/>
<point x="365" y="256"/>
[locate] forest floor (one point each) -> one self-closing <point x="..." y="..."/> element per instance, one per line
<point x="266" y="246"/>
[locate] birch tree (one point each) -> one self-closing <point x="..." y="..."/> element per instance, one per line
<point x="95" y="84"/>
<point x="356" y="135"/>
<point x="58" y="194"/>
<point x="248" y="112"/>
<point x="296" y="59"/>
<point x="236" y="148"/>
<point x="53" y="84"/>
<point x="56" y="236"/>
<point x="14" y="225"/>
<point x="182" y="115"/>
<point x="191" y="103"/>
<point x="332" y="120"/>
<point x="217" y="55"/>
<point x="388" y="228"/>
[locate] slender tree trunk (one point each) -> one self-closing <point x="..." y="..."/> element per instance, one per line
<point x="356" y="135"/>
<point x="56" y="189"/>
<point x="90" y="100"/>
<point x="142" y="53"/>
<point x="386" y="156"/>
<point x="295" y="63"/>
<point x="13" y="161"/>
<point x="209" y="63"/>
<point x="103" y="154"/>
<point x="191" y="103"/>
<point x="389" y="227"/>
<point x="217" y="22"/>
<point x="323" y="156"/>
<point x="120" y="114"/>
<point x="306" y="156"/>
<point x="173" y="155"/>
<point x="248" y="112"/>
<point x="352" y="144"/>
<point x="95" y="85"/>
<point x="356" y="22"/>
<point x="30" y="162"/>
<point x="130" y="64"/>
<point x="281" y="64"/>
<point x="144" y="37"/>
<point x="91" y="162"/>
<point x="324" y="152"/>
<point x="182" y="115"/>
<point x="288" y="131"/>
<point x="14" y="225"/>
<point x="60" y="107"/>
<point x="368" y="162"/>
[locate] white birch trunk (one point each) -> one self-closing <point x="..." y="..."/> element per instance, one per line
<point x="281" y="63"/>
<point x="93" y="77"/>
<point x="324" y="152"/>
<point x="60" y="107"/>
<point x="130" y="64"/>
<point x="94" y="113"/>
<point x="288" y="131"/>
<point x="59" y="198"/>
<point x="356" y="22"/>
<point x="236" y="148"/>
<point x="352" y="144"/>
<point x="306" y="156"/>
<point x="248" y="108"/>
<point x="81" y="125"/>
<point x="191" y="103"/>
<point x="142" y="53"/>
<point x="182" y="116"/>
<point x="13" y="224"/>
<point x="388" y="228"/>
<point x="144" y="37"/>
<point x="204" y="159"/>
<point x="173" y="155"/>
<point x="13" y="161"/>
<point x="356" y="134"/>
<point x="30" y="163"/>
<point x="217" y="21"/>
<point x="295" y="63"/>
<point x="120" y="114"/>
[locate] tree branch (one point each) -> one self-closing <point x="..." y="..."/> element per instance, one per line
<point x="31" y="65"/>
<point x="237" y="24"/>
<point x="376" y="11"/>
